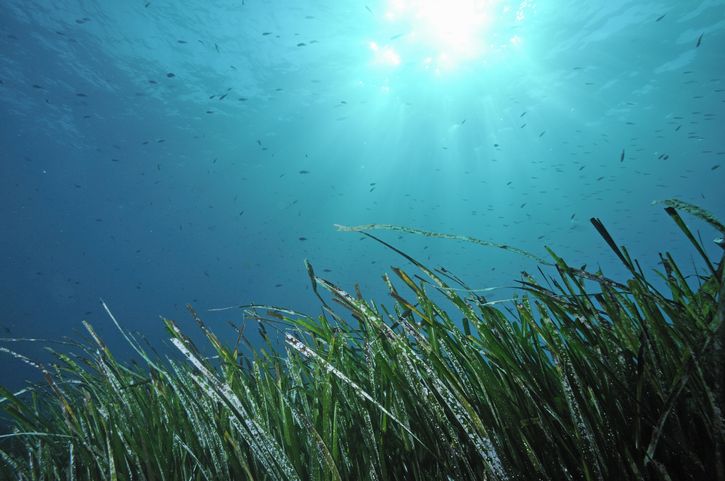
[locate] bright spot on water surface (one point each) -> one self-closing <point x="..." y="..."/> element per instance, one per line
<point x="439" y="35"/>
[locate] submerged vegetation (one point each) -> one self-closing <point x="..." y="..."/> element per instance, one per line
<point x="579" y="377"/>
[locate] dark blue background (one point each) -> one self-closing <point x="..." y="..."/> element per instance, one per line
<point x="120" y="181"/>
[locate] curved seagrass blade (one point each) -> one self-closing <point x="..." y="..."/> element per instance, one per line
<point x="683" y="227"/>
<point x="698" y="212"/>
<point x="425" y="233"/>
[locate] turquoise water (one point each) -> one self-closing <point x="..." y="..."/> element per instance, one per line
<point x="162" y="153"/>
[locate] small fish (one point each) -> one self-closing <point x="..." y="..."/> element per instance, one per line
<point x="542" y="133"/>
<point x="699" y="40"/>
<point x="572" y="216"/>
<point x="301" y="44"/>
<point x="302" y="238"/>
<point x="304" y="171"/>
<point x="621" y="156"/>
<point x="660" y="17"/>
<point x="171" y="75"/>
<point x="216" y="47"/>
<point x="181" y="41"/>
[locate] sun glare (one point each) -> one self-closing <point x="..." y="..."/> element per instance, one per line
<point x="385" y="55"/>
<point x="436" y="34"/>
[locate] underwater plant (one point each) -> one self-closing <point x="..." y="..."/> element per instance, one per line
<point x="579" y="377"/>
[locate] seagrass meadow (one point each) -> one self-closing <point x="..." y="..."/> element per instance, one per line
<point x="578" y="377"/>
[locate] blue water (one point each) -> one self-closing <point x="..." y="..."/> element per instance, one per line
<point x="161" y="153"/>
